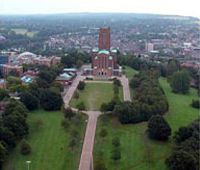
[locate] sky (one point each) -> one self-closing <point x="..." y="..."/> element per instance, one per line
<point x="174" y="7"/>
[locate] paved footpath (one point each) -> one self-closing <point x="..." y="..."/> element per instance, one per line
<point x="86" y="161"/>
<point x="67" y="97"/>
<point x="125" y="85"/>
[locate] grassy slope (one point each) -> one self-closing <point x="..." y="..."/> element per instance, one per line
<point x="94" y="95"/>
<point x="49" y="145"/>
<point x="129" y="72"/>
<point x="138" y="152"/>
<point x="180" y="112"/>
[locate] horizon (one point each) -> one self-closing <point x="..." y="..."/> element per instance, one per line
<point x="157" y="7"/>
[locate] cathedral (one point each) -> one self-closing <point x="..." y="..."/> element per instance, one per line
<point x="104" y="62"/>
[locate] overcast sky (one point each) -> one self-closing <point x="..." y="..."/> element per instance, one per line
<point x="178" y="7"/>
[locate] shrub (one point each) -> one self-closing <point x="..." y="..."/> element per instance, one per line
<point x="158" y="128"/>
<point x="25" y="148"/>
<point x="81" y="106"/>
<point x="72" y="142"/>
<point x="99" y="165"/>
<point x="81" y="85"/>
<point x="65" y="123"/>
<point x="181" y="160"/>
<point x="103" y="133"/>
<point x="31" y="102"/>
<point x="116" y="82"/>
<point x="116" y="142"/>
<point x="68" y="113"/>
<point x="180" y="82"/>
<point x="116" y="154"/>
<point x="76" y="95"/>
<point x="196" y="104"/>
<point x="74" y="133"/>
<point x="116" y="89"/>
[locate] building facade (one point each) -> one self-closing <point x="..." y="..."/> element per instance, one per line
<point x="6" y="69"/>
<point x="104" y="62"/>
<point x="4" y="59"/>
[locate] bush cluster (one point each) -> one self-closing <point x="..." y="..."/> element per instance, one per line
<point x="185" y="155"/>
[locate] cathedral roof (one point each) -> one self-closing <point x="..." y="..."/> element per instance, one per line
<point x="104" y="52"/>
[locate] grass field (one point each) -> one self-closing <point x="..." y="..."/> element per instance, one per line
<point x="49" y="142"/>
<point x="129" y="72"/>
<point x="94" y="95"/>
<point x="137" y="151"/>
<point x="24" y="32"/>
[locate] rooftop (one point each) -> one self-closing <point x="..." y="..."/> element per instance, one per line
<point x="104" y="52"/>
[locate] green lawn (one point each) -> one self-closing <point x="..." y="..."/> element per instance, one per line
<point x="137" y="151"/>
<point x="49" y="142"/>
<point x="24" y="31"/>
<point x="94" y="95"/>
<point x="129" y="72"/>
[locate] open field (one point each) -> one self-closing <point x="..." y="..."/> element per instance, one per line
<point x="137" y="151"/>
<point x="94" y="95"/>
<point x="24" y="32"/>
<point x="49" y="142"/>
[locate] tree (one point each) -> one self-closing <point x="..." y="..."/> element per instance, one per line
<point x="47" y="75"/>
<point x="116" y="141"/>
<point x="158" y="128"/>
<point x="51" y="100"/>
<point x="76" y="95"/>
<point x="7" y="137"/>
<point x="182" y="134"/>
<point x="81" y="85"/>
<point x="72" y="142"/>
<point x="3" y="94"/>
<point x="68" y="113"/>
<point x="116" y="82"/>
<point x="99" y="165"/>
<point x="16" y="124"/>
<point x="81" y="106"/>
<point x="3" y="154"/>
<point x="103" y="133"/>
<point x="172" y="66"/>
<point x="180" y="82"/>
<point x="181" y="160"/>
<point x="116" y="89"/>
<point x="25" y="148"/>
<point x="127" y="112"/>
<point x="110" y="105"/>
<point x="17" y="107"/>
<point x="116" y="154"/>
<point x="31" y="102"/>
<point x="196" y="104"/>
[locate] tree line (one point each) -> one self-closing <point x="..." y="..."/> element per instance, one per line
<point x="13" y="127"/>
<point x="148" y="99"/>
<point x="185" y="154"/>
